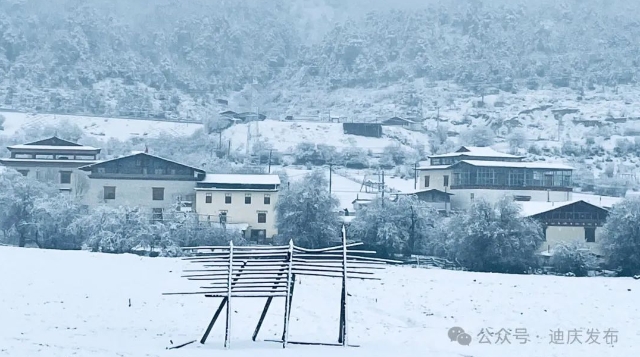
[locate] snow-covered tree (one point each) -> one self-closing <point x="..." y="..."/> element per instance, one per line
<point x="399" y="226"/>
<point x="18" y="195"/>
<point x="479" y="136"/>
<point x="517" y="140"/>
<point x="575" y="258"/>
<point x="493" y="238"/>
<point x="307" y="213"/>
<point x="52" y="218"/>
<point x="114" y="229"/>
<point x="621" y="237"/>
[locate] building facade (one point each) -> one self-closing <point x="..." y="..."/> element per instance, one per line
<point x="55" y="161"/>
<point x="240" y="199"/>
<point x="151" y="183"/>
<point x="567" y="222"/>
<point x="482" y="173"/>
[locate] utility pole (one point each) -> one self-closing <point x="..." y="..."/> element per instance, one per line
<point x="330" y="171"/>
<point x="415" y="176"/>
<point x="270" y="151"/>
<point x="382" y="188"/>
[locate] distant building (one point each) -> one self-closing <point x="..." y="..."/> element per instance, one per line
<point x="53" y="160"/>
<point x="438" y="200"/>
<point x="403" y="122"/>
<point x="565" y="222"/>
<point x="152" y="183"/>
<point x="476" y="172"/>
<point x="240" y="199"/>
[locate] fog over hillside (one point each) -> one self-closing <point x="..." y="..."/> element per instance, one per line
<point x="167" y="57"/>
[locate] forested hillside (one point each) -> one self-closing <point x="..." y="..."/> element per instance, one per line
<point x="175" y="57"/>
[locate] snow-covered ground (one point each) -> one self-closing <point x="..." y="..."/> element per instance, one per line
<point x="284" y="136"/>
<point x="56" y="303"/>
<point x="99" y="127"/>
<point x="345" y="189"/>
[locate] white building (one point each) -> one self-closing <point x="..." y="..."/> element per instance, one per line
<point x="240" y="199"/>
<point x="473" y="172"/>
<point x="149" y="182"/>
<point x="55" y="161"/>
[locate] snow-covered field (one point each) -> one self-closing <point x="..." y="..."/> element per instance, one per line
<point x="99" y="127"/>
<point x="56" y="303"/>
<point x="284" y="136"/>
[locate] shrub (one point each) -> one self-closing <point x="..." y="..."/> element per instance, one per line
<point x="573" y="258"/>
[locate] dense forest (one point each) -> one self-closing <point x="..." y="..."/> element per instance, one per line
<point x="163" y="58"/>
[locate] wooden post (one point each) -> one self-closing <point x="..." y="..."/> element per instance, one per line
<point x="222" y="304"/>
<point x="293" y="286"/>
<point x="345" y="341"/>
<point x="227" y="337"/>
<point x="262" y="316"/>
<point x="287" y="303"/>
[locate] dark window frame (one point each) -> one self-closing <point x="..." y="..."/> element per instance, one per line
<point x="262" y="217"/>
<point x="227" y="198"/>
<point x="157" y="193"/>
<point x="208" y="197"/>
<point x="267" y="199"/>
<point x="109" y="194"/>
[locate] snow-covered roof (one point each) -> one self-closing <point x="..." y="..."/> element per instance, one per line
<point x="86" y="168"/>
<point x="478" y="152"/>
<point x="519" y="164"/>
<point x="52" y="147"/>
<point x="434" y="167"/>
<point x="422" y="190"/>
<point x="50" y="161"/>
<point x="243" y="179"/>
<point x="532" y="208"/>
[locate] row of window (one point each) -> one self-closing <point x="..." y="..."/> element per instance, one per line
<point x="445" y="181"/>
<point x="143" y="171"/>
<point x="109" y="193"/>
<point x="64" y="177"/>
<point x="247" y="198"/>
<point x="222" y="216"/>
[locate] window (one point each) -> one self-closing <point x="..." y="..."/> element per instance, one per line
<point x="157" y="214"/>
<point x="267" y="199"/>
<point x="159" y="171"/>
<point x="138" y="162"/>
<point x="472" y="196"/>
<point x="222" y="216"/>
<point x="435" y="162"/>
<point x="65" y="177"/>
<point x="262" y="217"/>
<point x="446" y="180"/>
<point x="39" y="175"/>
<point x="208" y="198"/>
<point x="109" y="192"/>
<point x="426" y="181"/>
<point x="24" y="172"/>
<point x="101" y="170"/>
<point x="227" y="198"/>
<point x="158" y="193"/>
<point x="590" y="234"/>
<point x="247" y="198"/>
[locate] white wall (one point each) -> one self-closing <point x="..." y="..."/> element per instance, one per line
<point x="461" y="198"/>
<point x="138" y="193"/>
<point x="238" y="211"/>
<point x="556" y="234"/>
<point x="79" y="179"/>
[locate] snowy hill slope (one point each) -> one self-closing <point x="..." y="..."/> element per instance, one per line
<point x="56" y="303"/>
<point x="284" y="136"/>
<point x="99" y="127"/>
